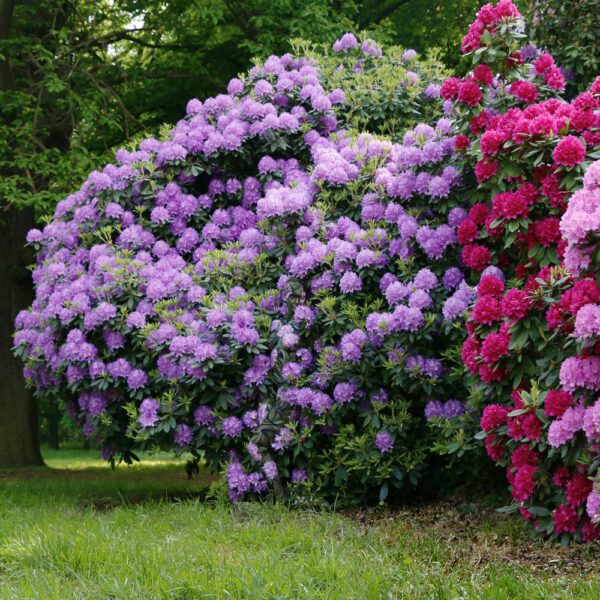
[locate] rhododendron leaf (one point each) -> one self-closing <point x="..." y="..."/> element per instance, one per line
<point x="383" y="492"/>
<point x="511" y="170"/>
<point x="518" y="340"/>
<point x="539" y="511"/>
<point x="398" y="473"/>
<point x="519" y="411"/>
<point x="510" y="240"/>
<point x="341" y="475"/>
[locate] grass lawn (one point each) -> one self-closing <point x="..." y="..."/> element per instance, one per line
<point x="79" y="530"/>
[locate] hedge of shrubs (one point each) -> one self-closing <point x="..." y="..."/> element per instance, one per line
<point x="324" y="298"/>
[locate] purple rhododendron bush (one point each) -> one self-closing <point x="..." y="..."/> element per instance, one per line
<point x="320" y="296"/>
<point x="186" y="294"/>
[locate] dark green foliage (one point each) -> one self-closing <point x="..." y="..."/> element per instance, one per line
<point x="568" y="29"/>
<point x="424" y="24"/>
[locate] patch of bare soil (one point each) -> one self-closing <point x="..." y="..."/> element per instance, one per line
<point x="481" y="537"/>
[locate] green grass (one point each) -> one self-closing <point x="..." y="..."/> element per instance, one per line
<point x="82" y="531"/>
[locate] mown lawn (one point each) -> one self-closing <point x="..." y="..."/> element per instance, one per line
<point x="79" y="530"/>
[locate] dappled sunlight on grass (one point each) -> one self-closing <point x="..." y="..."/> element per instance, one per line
<point x="90" y="459"/>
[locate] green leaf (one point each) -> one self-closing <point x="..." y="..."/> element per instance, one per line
<point x="383" y="492"/>
<point x="539" y="511"/>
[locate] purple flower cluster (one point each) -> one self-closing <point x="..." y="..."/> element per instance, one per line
<point x="444" y="410"/>
<point x="384" y="441"/>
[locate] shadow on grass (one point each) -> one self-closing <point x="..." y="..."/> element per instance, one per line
<point x="81" y="479"/>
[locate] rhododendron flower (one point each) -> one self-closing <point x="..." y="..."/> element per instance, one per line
<point x="487" y="310"/>
<point x="577" y="490"/>
<point x="462" y="142"/>
<point x="563" y="429"/>
<point x="490" y="285"/>
<point x="476" y="256"/>
<point x="524" y="482"/>
<point x="491" y="141"/>
<point x="557" y="402"/>
<point x="565" y="519"/>
<point x="148" y="413"/>
<point x="183" y="435"/>
<point x="347" y="42"/>
<point x="493" y="416"/>
<point x="578" y="372"/>
<point x="524" y="91"/>
<point x="515" y="304"/>
<point x="384" y="441"/>
<point x="569" y="151"/>
<point x="593" y="504"/>
<point x="591" y="422"/>
<point x="485" y="170"/>
<point x="483" y="74"/>
<point x="511" y="205"/>
<point x="450" y="88"/>
<point x="524" y="455"/>
<point x="495" y="447"/>
<point x="494" y="347"/>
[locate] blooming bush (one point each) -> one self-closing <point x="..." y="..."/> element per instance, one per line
<point x="529" y="150"/>
<point x="386" y="92"/>
<point x="364" y="354"/>
<point x="182" y="294"/>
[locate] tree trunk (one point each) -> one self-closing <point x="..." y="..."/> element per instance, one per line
<point x="19" y="436"/>
<point x="53" y="420"/>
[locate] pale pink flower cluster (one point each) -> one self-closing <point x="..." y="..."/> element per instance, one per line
<point x="587" y="321"/>
<point x="578" y="372"/>
<point x="563" y="429"/>
<point x="581" y="219"/>
<point x="591" y="421"/>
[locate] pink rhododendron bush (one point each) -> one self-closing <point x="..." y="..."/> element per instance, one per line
<point x="531" y="346"/>
<point x="320" y="302"/>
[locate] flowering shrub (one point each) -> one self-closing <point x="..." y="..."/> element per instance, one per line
<point x="540" y="436"/>
<point x="358" y="362"/>
<point x="182" y="294"/>
<point x="387" y="92"/>
<point x="529" y="150"/>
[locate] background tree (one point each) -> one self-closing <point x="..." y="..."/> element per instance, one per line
<point x="569" y="30"/>
<point x="424" y="24"/>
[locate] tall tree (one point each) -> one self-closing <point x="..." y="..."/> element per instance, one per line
<point x="18" y="416"/>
